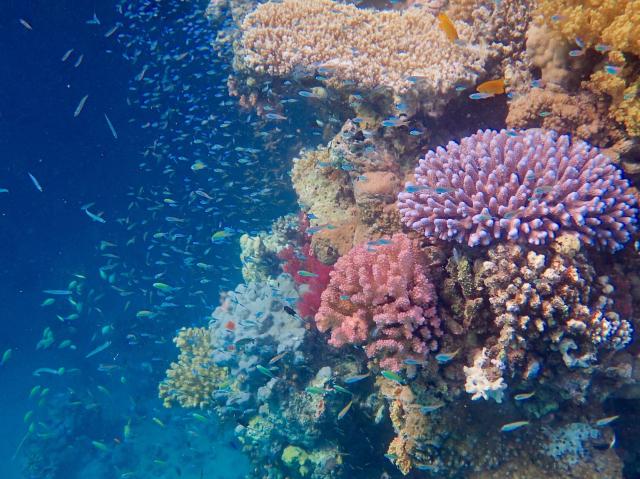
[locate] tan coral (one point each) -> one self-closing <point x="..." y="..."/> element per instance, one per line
<point x="292" y="36"/>
<point x="583" y="115"/>
<point x="192" y="380"/>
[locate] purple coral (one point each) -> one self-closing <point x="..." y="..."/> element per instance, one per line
<point x="380" y="295"/>
<point x="527" y="186"/>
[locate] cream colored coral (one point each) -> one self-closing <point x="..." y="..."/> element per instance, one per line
<point x="192" y="381"/>
<point x="403" y="51"/>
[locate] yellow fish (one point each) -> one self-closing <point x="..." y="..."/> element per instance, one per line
<point x="447" y="26"/>
<point x="492" y="87"/>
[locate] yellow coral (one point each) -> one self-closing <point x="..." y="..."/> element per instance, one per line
<point x="194" y="378"/>
<point x="615" y="23"/>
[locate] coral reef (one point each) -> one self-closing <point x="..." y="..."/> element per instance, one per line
<point x="526" y="186"/>
<point x="192" y="381"/>
<point x="351" y="47"/>
<point x="380" y="295"/>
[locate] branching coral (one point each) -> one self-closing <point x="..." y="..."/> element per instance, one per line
<point x="405" y="52"/>
<point x="525" y="186"/>
<point x="192" y="381"/>
<point x="380" y="295"/>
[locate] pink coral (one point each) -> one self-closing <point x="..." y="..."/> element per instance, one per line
<point x="380" y="295"/>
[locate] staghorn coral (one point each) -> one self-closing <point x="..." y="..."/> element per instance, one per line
<point x="192" y="381"/>
<point x="380" y="295"/>
<point x="524" y="187"/>
<point x="550" y="311"/>
<point x="301" y="36"/>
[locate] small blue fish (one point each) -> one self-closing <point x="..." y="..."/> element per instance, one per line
<point x="443" y="189"/>
<point x="415" y="188"/>
<point x="430" y="408"/>
<point x="544" y="114"/>
<point x="512" y="133"/>
<point x="425" y="467"/>
<point x="413" y="362"/>
<point x="524" y="396"/>
<point x="600" y="47"/>
<point x="579" y="42"/>
<point x="460" y="88"/>
<point x="35" y="182"/>
<point x="356" y="378"/>
<point x="444" y="358"/>
<point x="307" y="274"/>
<point x="606" y="421"/>
<point x="536" y="83"/>
<point x="306" y="94"/>
<point x="576" y="53"/>
<point x="275" y="116"/>
<point x="416" y="132"/>
<point x="392" y="122"/>
<point x="390" y="375"/>
<point x="512" y="426"/>
<point x="480" y="96"/>
<point x="612" y="69"/>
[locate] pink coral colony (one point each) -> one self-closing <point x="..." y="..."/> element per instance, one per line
<point x="380" y="295"/>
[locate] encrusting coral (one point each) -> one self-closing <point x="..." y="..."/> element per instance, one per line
<point x="192" y="381"/>
<point x="523" y="186"/>
<point x="380" y="295"/>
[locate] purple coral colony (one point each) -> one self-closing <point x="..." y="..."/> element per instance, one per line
<point x="467" y="317"/>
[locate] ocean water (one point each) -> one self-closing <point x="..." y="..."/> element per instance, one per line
<point x="218" y="259"/>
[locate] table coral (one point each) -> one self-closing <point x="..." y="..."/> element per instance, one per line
<point x="405" y="52"/>
<point x="527" y="186"/>
<point x="192" y="381"/>
<point x="380" y="295"/>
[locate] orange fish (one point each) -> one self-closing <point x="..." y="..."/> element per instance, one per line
<point x="493" y="87"/>
<point x="447" y="26"/>
<point x="230" y="326"/>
